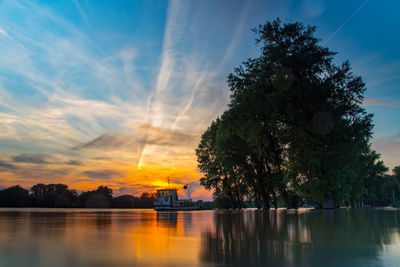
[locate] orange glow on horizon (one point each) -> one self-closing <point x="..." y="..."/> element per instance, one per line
<point x="122" y="178"/>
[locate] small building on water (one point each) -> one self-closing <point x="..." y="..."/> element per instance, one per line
<point x="167" y="199"/>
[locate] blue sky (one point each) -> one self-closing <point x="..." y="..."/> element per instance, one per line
<point x="119" y="92"/>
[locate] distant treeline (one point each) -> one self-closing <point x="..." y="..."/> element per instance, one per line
<point x="60" y="196"/>
<point x="295" y="130"/>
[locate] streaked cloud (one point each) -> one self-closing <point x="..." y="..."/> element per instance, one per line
<point x="108" y="140"/>
<point x="3" y="32"/>
<point x="380" y="102"/>
<point x="6" y="165"/>
<point x="74" y="162"/>
<point x="145" y="134"/>
<point x="81" y="12"/>
<point x="345" y="22"/>
<point x="33" y="158"/>
<point x="101" y="174"/>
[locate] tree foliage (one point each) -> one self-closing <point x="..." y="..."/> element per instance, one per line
<point x="14" y="196"/>
<point x="294" y="128"/>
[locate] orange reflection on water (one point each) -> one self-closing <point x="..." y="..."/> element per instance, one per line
<point x="79" y="237"/>
<point x="98" y="237"/>
<point x="163" y="238"/>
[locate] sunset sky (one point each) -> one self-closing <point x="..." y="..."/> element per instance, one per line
<point x="117" y="93"/>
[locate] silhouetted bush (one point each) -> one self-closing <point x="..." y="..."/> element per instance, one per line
<point x="52" y="195"/>
<point x="124" y="202"/>
<point x="14" y="196"/>
<point x="99" y="198"/>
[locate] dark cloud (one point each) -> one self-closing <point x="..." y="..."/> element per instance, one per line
<point x="122" y="189"/>
<point x="100" y="174"/>
<point x="75" y="162"/>
<point x="135" y="189"/>
<point x="149" y="134"/>
<point x="41" y="173"/>
<point x="8" y="166"/>
<point x="140" y="186"/>
<point x="61" y="172"/>
<point x="146" y="134"/>
<point x="38" y="158"/>
<point x="82" y="180"/>
<point x="102" y="158"/>
<point x="33" y="158"/>
<point x="114" y="140"/>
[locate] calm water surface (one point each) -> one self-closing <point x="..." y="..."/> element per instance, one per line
<point x="70" y="237"/>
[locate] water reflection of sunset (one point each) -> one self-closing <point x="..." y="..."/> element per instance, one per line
<point x="62" y="237"/>
<point x="162" y="239"/>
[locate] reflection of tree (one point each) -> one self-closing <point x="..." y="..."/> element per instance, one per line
<point x="56" y="223"/>
<point x="103" y="220"/>
<point x="172" y="219"/>
<point x="50" y="224"/>
<point x="285" y="238"/>
<point x="177" y="223"/>
<point x="12" y="222"/>
<point x="167" y="219"/>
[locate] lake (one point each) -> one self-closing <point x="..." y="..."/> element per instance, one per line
<point x="82" y="237"/>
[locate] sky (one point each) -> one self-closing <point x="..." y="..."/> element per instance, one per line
<point x="118" y="93"/>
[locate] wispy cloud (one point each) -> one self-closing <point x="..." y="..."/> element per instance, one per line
<point x="145" y="134"/>
<point x="45" y="159"/>
<point x="190" y="87"/>
<point x="6" y="165"/>
<point x="173" y="35"/>
<point x="100" y="174"/>
<point x="33" y="158"/>
<point x="380" y="102"/>
<point x="345" y="22"/>
<point x="81" y="12"/>
<point x="3" y="32"/>
<point x="67" y="90"/>
<point x="74" y="162"/>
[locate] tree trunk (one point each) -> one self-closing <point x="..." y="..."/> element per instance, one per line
<point x="229" y="191"/>
<point x="258" y="200"/>
<point x="231" y="198"/>
<point x="286" y="199"/>
<point x="317" y="205"/>
<point x="329" y="201"/>
<point x="261" y="188"/>
<point x="239" y="205"/>
<point x="294" y="200"/>
<point x="275" y="202"/>
<point x="265" y="201"/>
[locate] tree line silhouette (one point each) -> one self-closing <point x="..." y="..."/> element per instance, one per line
<point x="60" y="196"/>
<point x="295" y="130"/>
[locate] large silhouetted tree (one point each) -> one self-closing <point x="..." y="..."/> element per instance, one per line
<point x="299" y="118"/>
